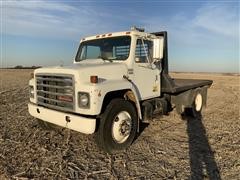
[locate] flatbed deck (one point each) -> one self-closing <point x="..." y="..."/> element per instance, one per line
<point x="186" y="84"/>
<point x="180" y="85"/>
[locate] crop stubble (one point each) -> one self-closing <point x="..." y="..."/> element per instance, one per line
<point x="167" y="148"/>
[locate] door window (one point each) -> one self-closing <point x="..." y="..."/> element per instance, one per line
<point x="144" y="51"/>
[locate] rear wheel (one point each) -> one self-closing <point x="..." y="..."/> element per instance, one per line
<point x="196" y="109"/>
<point x="118" y="126"/>
<point x="198" y="102"/>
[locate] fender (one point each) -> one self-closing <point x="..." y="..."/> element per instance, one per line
<point x="116" y="85"/>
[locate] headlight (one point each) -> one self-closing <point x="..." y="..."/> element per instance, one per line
<point x="83" y="100"/>
<point x="31" y="91"/>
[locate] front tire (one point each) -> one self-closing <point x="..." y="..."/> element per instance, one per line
<point x="118" y="126"/>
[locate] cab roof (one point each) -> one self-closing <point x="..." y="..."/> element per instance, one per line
<point x="133" y="31"/>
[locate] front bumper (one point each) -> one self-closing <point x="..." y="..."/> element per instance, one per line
<point x="77" y="123"/>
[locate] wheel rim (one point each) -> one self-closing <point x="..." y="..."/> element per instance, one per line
<point x="198" y="102"/>
<point x="121" y="127"/>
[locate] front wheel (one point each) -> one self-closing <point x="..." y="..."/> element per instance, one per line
<point x="118" y="126"/>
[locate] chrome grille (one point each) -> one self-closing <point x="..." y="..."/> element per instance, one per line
<point x="55" y="91"/>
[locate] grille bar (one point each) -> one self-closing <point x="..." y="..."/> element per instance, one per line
<point x="53" y="106"/>
<point x="54" y="79"/>
<point x="54" y="93"/>
<point x="54" y="86"/>
<point x="51" y="86"/>
<point x="54" y="100"/>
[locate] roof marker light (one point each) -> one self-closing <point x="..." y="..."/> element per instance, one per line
<point x="110" y="34"/>
<point x="128" y="32"/>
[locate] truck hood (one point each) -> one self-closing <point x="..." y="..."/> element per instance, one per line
<point x="105" y="70"/>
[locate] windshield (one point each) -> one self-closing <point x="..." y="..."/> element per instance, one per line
<point x="113" y="48"/>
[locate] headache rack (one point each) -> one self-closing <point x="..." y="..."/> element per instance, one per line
<point x="56" y="91"/>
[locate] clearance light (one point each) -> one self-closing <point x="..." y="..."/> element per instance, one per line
<point x="97" y="36"/>
<point x="110" y="34"/>
<point x="103" y="35"/>
<point x="128" y="32"/>
<point x="94" y="79"/>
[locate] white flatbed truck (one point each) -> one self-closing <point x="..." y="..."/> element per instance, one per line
<point x="117" y="81"/>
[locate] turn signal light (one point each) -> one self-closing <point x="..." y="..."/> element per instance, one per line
<point x="94" y="79"/>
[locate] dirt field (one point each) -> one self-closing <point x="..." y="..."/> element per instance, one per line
<point x="168" y="148"/>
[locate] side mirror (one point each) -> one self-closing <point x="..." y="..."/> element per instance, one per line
<point x="158" y="49"/>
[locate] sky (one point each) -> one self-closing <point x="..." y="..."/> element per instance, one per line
<point x="203" y="36"/>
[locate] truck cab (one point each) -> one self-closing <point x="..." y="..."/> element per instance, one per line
<point x="134" y="50"/>
<point x="117" y="81"/>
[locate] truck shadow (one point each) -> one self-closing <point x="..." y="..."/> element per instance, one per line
<point x="202" y="161"/>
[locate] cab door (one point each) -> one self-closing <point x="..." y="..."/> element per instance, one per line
<point x="146" y="74"/>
